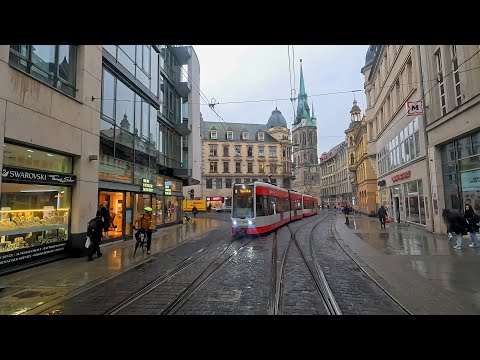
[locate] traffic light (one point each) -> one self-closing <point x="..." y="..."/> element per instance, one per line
<point x="192" y="194"/>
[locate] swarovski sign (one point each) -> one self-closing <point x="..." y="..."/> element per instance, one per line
<point x="36" y="176"/>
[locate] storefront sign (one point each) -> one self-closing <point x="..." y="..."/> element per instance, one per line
<point x="20" y="256"/>
<point x="214" y="198"/>
<point x="168" y="189"/>
<point x="401" y="176"/>
<point x="36" y="176"/>
<point x="146" y="185"/>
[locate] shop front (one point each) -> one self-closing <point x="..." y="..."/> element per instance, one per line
<point x="405" y="198"/>
<point x="214" y="202"/>
<point x="35" y="205"/>
<point x="126" y="202"/>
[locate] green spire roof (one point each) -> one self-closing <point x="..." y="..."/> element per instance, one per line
<point x="313" y="113"/>
<point x="302" y="106"/>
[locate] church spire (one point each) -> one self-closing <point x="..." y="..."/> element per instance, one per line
<point x="302" y="105"/>
<point x="313" y="113"/>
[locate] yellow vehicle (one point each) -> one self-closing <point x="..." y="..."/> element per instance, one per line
<point x="189" y="204"/>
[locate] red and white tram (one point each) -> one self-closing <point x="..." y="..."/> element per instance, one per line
<point x="261" y="207"/>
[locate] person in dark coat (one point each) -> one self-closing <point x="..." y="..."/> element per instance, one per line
<point x="472" y="220"/>
<point x="382" y="215"/>
<point x="456" y="224"/>
<point x="194" y="211"/>
<point x="105" y="214"/>
<point x="346" y="211"/>
<point x="94" y="232"/>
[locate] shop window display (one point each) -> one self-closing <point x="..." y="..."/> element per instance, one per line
<point x="33" y="215"/>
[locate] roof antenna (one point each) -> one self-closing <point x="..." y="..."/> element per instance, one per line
<point x="276" y="103"/>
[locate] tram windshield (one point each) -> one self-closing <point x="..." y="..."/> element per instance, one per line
<point x="242" y="201"/>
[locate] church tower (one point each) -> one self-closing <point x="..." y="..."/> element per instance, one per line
<point x="304" y="138"/>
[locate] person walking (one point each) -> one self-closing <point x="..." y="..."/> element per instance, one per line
<point x="94" y="232"/>
<point x="106" y="218"/>
<point x="457" y="225"/>
<point x="346" y="211"/>
<point x="382" y="215"/>
<point x="472" y="220"/>
<point x="194" y="211"/>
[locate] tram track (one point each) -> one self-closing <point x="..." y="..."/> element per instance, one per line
<point x="170" y="273"/>
<point x="278" y="268"/>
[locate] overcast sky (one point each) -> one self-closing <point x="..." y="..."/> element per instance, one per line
<point x="258" y="72"/>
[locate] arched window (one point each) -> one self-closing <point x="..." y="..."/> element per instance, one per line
<point x="304" y="158"/>
<point x="296" y="139"/>
<point x="311" y="159"/>
<point x="310" y="140"/>
<point x="352" y="159"/>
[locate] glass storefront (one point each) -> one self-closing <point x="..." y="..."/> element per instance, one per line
<point x="33" y="215"/>
<point x="35" y="203"/>
<point x="114" y="202"/>
<point x="461" y="173"/>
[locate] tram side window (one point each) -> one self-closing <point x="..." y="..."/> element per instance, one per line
<point x="260" y="206"/>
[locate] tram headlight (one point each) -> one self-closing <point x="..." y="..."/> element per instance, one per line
<point x="234" y="222"/>
<point x="250" y="222"/>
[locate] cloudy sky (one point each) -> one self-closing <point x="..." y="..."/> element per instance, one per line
<point x="258" y="72"/>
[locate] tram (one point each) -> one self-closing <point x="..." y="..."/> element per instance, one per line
<point x="260" y="207"/>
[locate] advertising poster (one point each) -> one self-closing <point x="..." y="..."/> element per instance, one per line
<point x="470" y="181"/>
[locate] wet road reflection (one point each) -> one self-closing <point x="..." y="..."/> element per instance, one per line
<point x="29" y="289"/>
<point x="429" y="255"/>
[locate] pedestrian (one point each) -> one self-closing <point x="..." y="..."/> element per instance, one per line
<point x="472" y="219"/>
<point x="456" y="224"/>
<point x="346" y="211"/>
<point x="105" y="214"/>
<point x="144" y="224"/>
<point x="382" y="215"/>
<point x="194" y="211"/>
<point x="94" y="232"/>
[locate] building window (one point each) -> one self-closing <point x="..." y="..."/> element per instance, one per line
<point x="250" y="151"/>
<point x="238" y="167"/>
<point x="261" y="151"/>
<point x="54" y="65"/>
<point x="225" y="150"/>
<point x="456" y="75"/>
<point x="208" y="183"/>
<point x="213" y="150"/>
<point x="238" y="151"/>
<point x="213" y="134"/>
<point x="229" y="135"/>
<point x="250" y="167"/>
<point x="274" y="181"/>
<point x="225" y="167"/>
<point x="260" y="136"/>
<point x="261" y="168"/>
<point x="228" y="183"/>
<point x="218" y="182"/>
<point x="213" y="167"/>
<point x="247" y="180"/>
<point x="273" y="168"/>
<point x="244" y="135"/>
<point x="273" y="151"/>
<point x="441" y="84"/>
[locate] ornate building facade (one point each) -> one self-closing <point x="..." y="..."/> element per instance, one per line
<point x="242" y="152"/>
<point x="336" y="187"/>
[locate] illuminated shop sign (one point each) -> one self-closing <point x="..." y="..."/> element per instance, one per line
<point x="401" y="176"/>
<point x="36" y="176"/>
<point x="146" y="185"/>
<point x="214" y="198"/>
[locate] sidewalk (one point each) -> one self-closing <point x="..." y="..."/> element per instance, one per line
<point x="419" y="269"/>
<point x="34" y="290"/>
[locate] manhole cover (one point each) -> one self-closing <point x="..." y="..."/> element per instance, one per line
<point x="225" y="295"/>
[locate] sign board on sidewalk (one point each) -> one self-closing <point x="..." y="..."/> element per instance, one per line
<point x="414" y="108"/>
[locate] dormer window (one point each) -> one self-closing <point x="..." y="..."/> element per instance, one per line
<point x="244" y="135"/>
<point x="213" y="134"/>
<point x="229" y="135"/>
<point x="261" y="136"/>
